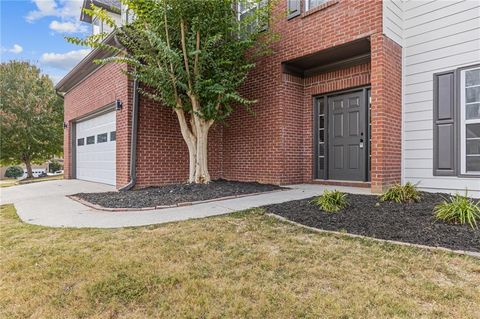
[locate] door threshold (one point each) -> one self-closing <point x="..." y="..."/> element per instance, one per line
<point x="341" y="183"/>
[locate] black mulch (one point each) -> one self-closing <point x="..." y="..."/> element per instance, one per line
<point x="175" y="194"/>
<point x="411" y="223"/>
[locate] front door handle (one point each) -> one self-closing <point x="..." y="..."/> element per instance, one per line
<point x="361" y="143"/>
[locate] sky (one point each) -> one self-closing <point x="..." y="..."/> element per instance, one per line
<point x="34" y="30"/>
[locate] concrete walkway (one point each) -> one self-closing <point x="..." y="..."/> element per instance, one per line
<point x="45" y="204"/>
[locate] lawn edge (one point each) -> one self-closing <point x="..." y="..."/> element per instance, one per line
<point x="181" y="204"/>
<point x="333" y="232"/>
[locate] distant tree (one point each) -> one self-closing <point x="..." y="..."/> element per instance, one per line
<point x="54" y="166"/>
<point x="14" y="172"/>
<point x="191" y="56"/>
<point x="31" y="116"/>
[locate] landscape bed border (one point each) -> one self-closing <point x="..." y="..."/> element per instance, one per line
<point x="198" y="202"/>
<point x="395" y="242"/>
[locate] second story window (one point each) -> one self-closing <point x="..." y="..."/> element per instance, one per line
<point x="100" y="26"/>
<point x="310" y="4"/>
<point x="97" y="26"/>
<point x="247" y="12"/>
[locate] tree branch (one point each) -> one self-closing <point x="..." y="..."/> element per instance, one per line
<point x="197" y="53"/>
<point x="185" y="55"/>
<point x="172" y="74"/>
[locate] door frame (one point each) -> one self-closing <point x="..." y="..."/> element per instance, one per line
<point x="366" y="91"/>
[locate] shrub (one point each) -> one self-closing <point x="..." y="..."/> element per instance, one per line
<point x="458" y="209"/>
<point x="54" y="166"/>
<point x="401" y="194"/>
<point x="14" y="172"/>
<point x="331" y="201"/>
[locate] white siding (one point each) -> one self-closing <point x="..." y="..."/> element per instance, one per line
<point x="437" y="36"/>
<point x="393" y="20"/>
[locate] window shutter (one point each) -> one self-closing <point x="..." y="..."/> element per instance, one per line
<point x="444" y="128"/>
<point x="293" y="8"/>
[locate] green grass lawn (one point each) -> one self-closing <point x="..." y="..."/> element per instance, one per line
<point x="234" y="266"/>
<point x="14" y="182"/>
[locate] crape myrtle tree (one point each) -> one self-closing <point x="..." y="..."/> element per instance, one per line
<point x="31" y="116"/>
<point x="191" y="56"/>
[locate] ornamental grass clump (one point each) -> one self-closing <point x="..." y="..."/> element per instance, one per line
<point x="331" y="201"/>
<point x="458" y="209"/>
<point x="401" y="194"/>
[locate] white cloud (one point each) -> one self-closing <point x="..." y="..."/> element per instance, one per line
<point x="15" y="49"/>
<point x="55" y="78"/>
<point x="67" y="11"/>
<point x="67" y="27"/>
<point x="63" y="61"/>
<point x="45" y="8"/>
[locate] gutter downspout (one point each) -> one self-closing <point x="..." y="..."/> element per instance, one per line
<point x="133" y="143"/>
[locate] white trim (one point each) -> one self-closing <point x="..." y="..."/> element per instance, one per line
<point x="464" y="122"/>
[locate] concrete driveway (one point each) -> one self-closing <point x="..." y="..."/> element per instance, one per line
<point x="45" y="204"/>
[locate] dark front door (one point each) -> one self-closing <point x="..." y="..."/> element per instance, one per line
<point x="347" y="143"/>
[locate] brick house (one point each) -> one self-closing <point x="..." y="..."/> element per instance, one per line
<point x="351" y="96"/>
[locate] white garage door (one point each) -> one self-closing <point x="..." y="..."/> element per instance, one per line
<point x="96" y="149"/>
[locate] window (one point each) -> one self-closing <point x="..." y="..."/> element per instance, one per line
<point x="97" y="26"/>
<point x="127" y="15"/>
<point x="91" y="140"/>
<point x="113" y="136"/>
<point x="293" y="8"/>
<point x="470" y="120"/>
<point x="456" y="122"/>
<point x="81" y="142"/>
<point x="310" y="4"/>
<point x="102" y="138"/>
<point x="246" y="11"/>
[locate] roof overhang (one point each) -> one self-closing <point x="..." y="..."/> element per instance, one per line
<point x="86" y="66"/>
<point x="109" y="5"/>
<point x="338" y="57"/>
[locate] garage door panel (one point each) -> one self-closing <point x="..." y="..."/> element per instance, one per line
<point x="97" y="161"/>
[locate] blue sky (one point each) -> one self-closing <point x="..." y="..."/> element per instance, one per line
<point x="34" y="30"/>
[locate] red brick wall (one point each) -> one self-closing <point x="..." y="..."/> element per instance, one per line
<point x="386" y="114"/>
<point x="162" y="155"/>
<point x="275" y="144"/>
<point x="100" y="89"/>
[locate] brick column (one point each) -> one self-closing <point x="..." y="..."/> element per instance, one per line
<point x="386" y="113"/>
<point x="66" y="151"/>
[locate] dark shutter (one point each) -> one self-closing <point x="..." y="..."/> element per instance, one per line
<point x="444" y="131"/>
<point x="293" y="8"/>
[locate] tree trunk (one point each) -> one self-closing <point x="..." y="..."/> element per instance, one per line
<point x="196" y="138"/>
<point x="201" y="159"/>
<point x="28" y="164"/>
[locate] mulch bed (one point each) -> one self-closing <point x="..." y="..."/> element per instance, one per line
<point x="175" y="194"/>
<point x="412" y="223"/>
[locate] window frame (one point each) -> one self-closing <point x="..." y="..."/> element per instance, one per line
<point x="82" y="139"/>
<point x="463" y="122"/>
<point x="307" y="5"/>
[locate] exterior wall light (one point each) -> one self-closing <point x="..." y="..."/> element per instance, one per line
<point x="118" y="105"/>
<point x="65" y="125"/>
